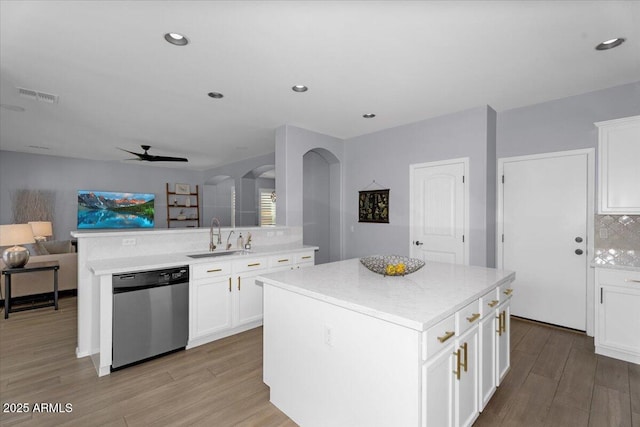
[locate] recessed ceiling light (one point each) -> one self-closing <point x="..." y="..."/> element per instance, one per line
<point x="300" y="88"/>
<point x="610" y="44"/>
<point x="368" y="116"/>
<point x="215" y="95"/>
<point x="177" y="39"/>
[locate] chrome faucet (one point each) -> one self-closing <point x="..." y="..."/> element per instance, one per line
<point x="228" y="237"/>
<point x="212" y="247"/>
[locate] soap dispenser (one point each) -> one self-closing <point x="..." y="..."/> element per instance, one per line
<point x="240" y="242"/>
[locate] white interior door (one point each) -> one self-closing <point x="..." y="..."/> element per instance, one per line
<point x="544" y="232"/>
<point x="438" y="209"/>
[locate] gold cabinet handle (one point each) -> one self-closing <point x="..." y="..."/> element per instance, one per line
<point x="229" y="284"/>
<point x="499" y="331"/>
<point x="255" y="264"/>
<point x="473" y="317"/>
<point x="504" y="321"/>
<point x="446" y="336"/>
<point x="508" y="291"/>
<point x="215" y="270"/>
<point x="457" y="371"/>
<point x="238" y="282"/>
<point x="306" y="257"/>
<point x="493" y="303"/>
<point x="283" y="260"/>
<point x="464" y="364"/>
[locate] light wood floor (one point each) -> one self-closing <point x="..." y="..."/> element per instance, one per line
<point x="555" y="380"/>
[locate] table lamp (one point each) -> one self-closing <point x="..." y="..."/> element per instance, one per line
<point x="15" y="234"/>
<point x="41" y="230"/>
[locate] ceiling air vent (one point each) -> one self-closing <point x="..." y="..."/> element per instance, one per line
<point x="38" y="96"/>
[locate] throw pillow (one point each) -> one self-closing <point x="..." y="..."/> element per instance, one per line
<point x="36" y="249"/>
<point x="58" y="246"/>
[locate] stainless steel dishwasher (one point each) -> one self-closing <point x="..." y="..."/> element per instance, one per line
<point x="150" y="314"/>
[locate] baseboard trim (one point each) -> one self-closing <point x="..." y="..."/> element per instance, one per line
<point x="549" y="325"/>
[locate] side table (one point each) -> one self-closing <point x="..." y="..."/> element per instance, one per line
<point x="30" y="268"/>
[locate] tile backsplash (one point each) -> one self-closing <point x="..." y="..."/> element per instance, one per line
<point x="617" y="240"/>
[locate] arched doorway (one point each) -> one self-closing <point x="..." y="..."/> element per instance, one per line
<point x="321" y="203"/>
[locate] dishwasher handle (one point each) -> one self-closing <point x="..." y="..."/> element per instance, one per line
<point x="125" y="289"/>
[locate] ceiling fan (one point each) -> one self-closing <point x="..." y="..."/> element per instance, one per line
<point x="151" y="158"/>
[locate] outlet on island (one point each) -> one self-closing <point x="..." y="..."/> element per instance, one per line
<point x="128" y="242"/>
<point x="328" y="335"/>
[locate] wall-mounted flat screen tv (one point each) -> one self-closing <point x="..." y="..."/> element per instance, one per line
<point x="107" y="209"/>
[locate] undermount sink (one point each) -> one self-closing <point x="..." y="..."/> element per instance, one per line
<point x="217" y="254"/>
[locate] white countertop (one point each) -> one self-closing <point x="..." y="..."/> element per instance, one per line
<point x="616" y="267"/>
<point x="151" y="262"/>
<point x="418" y="300"/>
<point x="128" y="232"/>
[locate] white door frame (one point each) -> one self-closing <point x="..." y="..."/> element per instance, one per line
<point x="465" y="162"/>
<point x="590" y="152"/>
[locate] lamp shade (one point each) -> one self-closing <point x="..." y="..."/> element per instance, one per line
<point x="16" y="234"/>
<point x="41" y="228"/>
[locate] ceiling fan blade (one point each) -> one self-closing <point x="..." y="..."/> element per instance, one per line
<point x="131" y="152"/>
<point x="166" y="159"/>
<point x="151" y="158"/>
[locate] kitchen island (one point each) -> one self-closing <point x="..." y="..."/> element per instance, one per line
<point x="344" y="346"/>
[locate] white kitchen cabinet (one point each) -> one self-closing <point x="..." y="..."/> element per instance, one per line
<point x="247" y="294"/>
<point x="488" y="346"/>
<point x="438" y="388"/>
<point x="618" y="170"/>
<point x="292" y="261"/>
<point x="304" y="259"/>
<point x="210" y="300"/>
<point x="466" y="374"/>
<point x="503" y="340"/>
<point x="450" y="374"/>
<point x="618" y="314"/>
<point x="437" y="374"/>
<point x="224" y="296"/>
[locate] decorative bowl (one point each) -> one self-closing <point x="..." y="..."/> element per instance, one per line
<point x="392" y="265"/>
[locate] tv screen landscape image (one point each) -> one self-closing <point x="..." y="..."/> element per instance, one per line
<point x="105" y="209"/>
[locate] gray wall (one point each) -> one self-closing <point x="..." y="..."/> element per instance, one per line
<point x="291" y="145"/>
<point x="491" y="187"/>
<point x="65" y="176"/>
<point x="316" y="205"/>
<point x="563" y="124"/>
<point x="385" y="157"/>
<point x="216" y="202"/>
<point x="246" y="191"/>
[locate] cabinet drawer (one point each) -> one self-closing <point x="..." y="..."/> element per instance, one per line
<point x="467" y="317"/>
<point x="488" y="303"/>
<point x="619" y="277"/>
<point x="281" y="260"/>
<point x="249" y="264"/>
<point x="505" y="291"/>
<point x="211" y="269"/>
<point x="438" y="337"/>
<point x="304" y="257"/>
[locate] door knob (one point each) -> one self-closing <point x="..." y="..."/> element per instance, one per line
<point x="579" y="252"/>
<point x="418" y="243"/>
<point x="579" y="239"/>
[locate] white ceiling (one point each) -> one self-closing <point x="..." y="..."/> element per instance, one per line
<point x="121" y="85"/>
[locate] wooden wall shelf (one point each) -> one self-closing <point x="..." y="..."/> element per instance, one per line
<point x="177" y="203"/>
